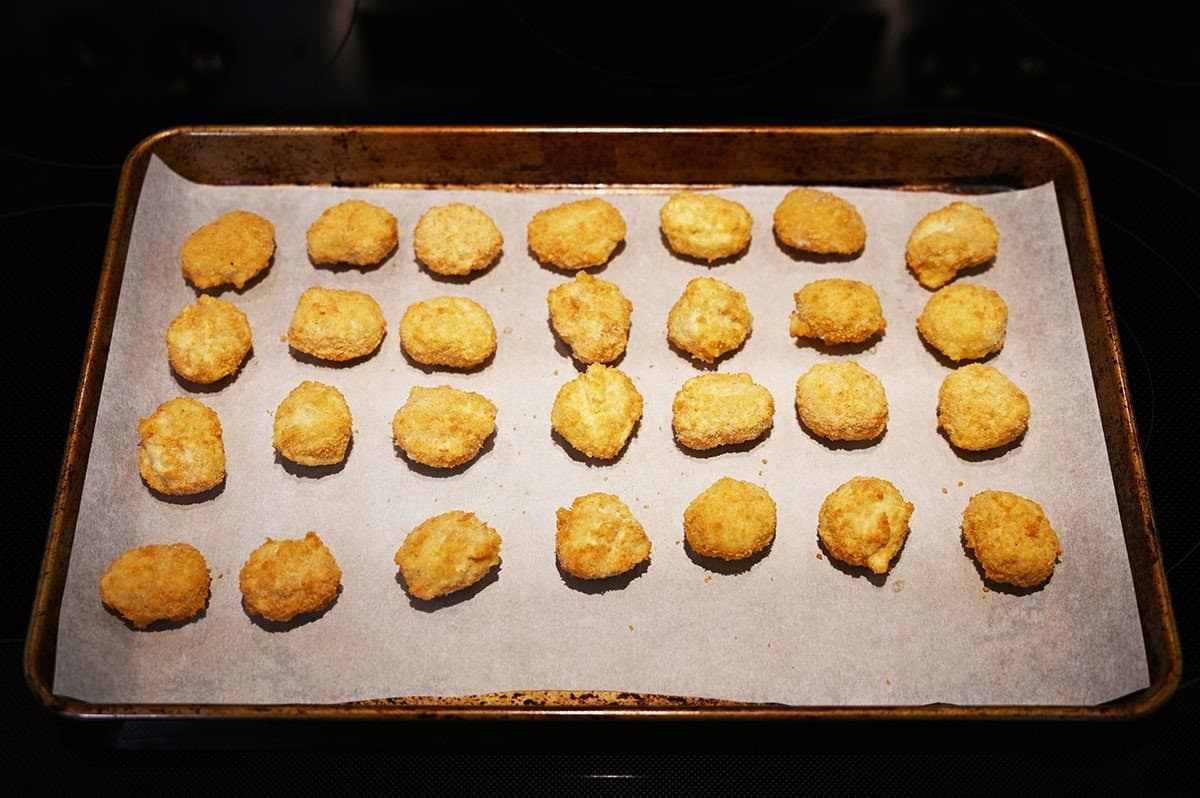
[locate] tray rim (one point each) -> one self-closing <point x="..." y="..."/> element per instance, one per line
<point x="41" y="639"/>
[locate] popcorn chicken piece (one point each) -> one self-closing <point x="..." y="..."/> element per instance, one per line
<point x="447" y="553"/>
<point x="208" y="341"/>
<point x="949" y="240"/>
<point x="312" y="425"/>
<point x="449" y="331"/>
<point x="156" y="583"/>
<point x="592" y="317"/>
<point x="1011" y="538"/>
<point x="709" y="320"/>
<point x="456" y="239"/>
<point x="576" y="235"/>
<point x="286" y="578"/>
<point x="232" y="250"/>
<point x="443" y="427"/>
<point x="980" y="408"/>
<point x="598" y="537"/>
<point x="705" y="226"/>
<point x="731" y="520"/>
<point x="820" y="222"/>
<point x="596" y="412"/>
<point x="181" y="450"/>
<point x="842" y="402"/>
<point x="837" y="311"/>
<point x="964" y="321"/>
<point x="353" y="233"/>
<point x="864" y="522"/>
<point x="338" y="325"/>
<point x="721" y="409"/>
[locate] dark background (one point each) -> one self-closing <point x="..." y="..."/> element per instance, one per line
<point x="83" y="82"/>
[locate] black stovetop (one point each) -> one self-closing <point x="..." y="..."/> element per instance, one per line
<point x="85" y="81"/>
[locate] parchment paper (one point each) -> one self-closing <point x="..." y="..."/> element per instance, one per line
<point x="793" y="628"/>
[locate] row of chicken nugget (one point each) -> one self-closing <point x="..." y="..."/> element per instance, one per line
<point x="182" y="449"/>
<point x="863" y="523"/>
<point x="459" y="239"/>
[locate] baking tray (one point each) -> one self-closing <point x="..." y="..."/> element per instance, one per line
<point x="948" y="159"/>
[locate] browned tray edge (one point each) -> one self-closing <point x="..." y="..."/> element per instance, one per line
<point x="1161" y="639"/>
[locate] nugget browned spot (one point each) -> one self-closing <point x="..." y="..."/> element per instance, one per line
<point x="232" y="250"/>
<point x="443" y="427"/>
<point x="949" y="240"/>
<point x="980" y="408"/>
<point x="312" y="425"/>
<point x="354" y="233"/>
<point x="156" y="583"/>
<point x="449" y="331"/>
<point x="1011" y="538"/>
<point x="576" y="235"/>
<point x="447" y="553"/>
<point x="181" y="450"/>
<point x="286" y="578"/>
<point x="710" y="319"/>
<point x="820" y="222"/>
<point x="208" y="341"/>
<point x="596" y="412"/>
<point x="842" y="402"/>
<point x="837" y="311"/>
<point x="456" y="239"/>
<point x="731" y="520"/>
<point x="721" y="409"/>
<point x="705" y="226"/>
<point x="964" y="321"/>
<point x="865" y="522"/>
<point x="598" y="537"/>
<point x="338" y="325"/>
<point x="592" y="317"/>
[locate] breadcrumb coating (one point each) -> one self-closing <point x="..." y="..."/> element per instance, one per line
<point x="456" y="239"/>
<point x="447" y="553"/>
<point x="334" y="324"/>
<point x="721" y="409"/>
<point x="837" y="311"/>
<point x="208" y="341"/>
<point x="312" y="425"/>
<point x="286" y="578"/>
<point x="592" y="317"/>
<point x="598" y="537"/>
<point x="842" y="402"/>
<point x="156" y="583"/>
<point x="980" y="408"/>
<point x="817" y="221"/>
<point x="864" y="522"/>
<point x="1011" y="538"/>
<point x="709" y="320"/>
<point x="596" y="412"/>
<point x="964" y="321"/>
<point x="443" y="427"/>
<point x="451" y="331"/>
<point x="576" y="235"/>
<point x="705" y="226"/>
<point x="949" y="240"/>
<point x="181" y="451"/>
<point x="232" y="250"/>
<point x="731" y="520"/>
<point x="352" y="233"/>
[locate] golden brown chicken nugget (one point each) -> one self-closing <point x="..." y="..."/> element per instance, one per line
<point x="576" y="235"/>
<point x="980" y="408"/>
<point x="443" y="427"/>
<point x="181" y="451"/>
<point x="592" y="317"/>
<point x="596" y="412"/>
<point x="232" y="250"/>
<point x="731" y="520"/>
<point x="333" y="324"/>
<point x="1011" y="538"/>
<point x="705" y="226"/>
<point x="842" y="402"/>
<point x="599" y="537"/>
<point x="312" y="425"/>
<point x="709" y="320"/>
<point x="837" y="311"/>
<point x="447" y="553"/>
<point x="820" y="222"/>
<point x="208" y="341"/>
<point x="286" y="578"/>
<point x="865" y="522"/>
<point x="964" y="321"/>
<point x="721" y="409"/>
<point x="949" y="240"/>
<point x="456" y="239"/>
<point x="448" y="331"/>
<point x="354" y="233"/>
<point x="156" y="583"/>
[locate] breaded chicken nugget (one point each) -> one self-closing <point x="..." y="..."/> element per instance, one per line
<point x="599" y="537"/>
<point x="721" y="409"/>
<point x="710" y="319"/>
<point x="592" y="317"/>
<point x="156" y="583"/>
<point x="820" y="222"/>
<point x="1011" y="538"/>
<point x="448" y="331"/>
<point x="332" y="324"/>
<point x="837" y="311"/>
<point x="181" y="452"/>
<point x="312" y="425"/>
<point x="208" y="341"/>
<point x="865" y="522"/>
<point x="231" y="250"/>
<point x="731" y="519"/>
<point x="456" y="239"/>
<point x="443" y="427"/>
<point x="842" y="402"/>
<point x="286" y="578"/>
<point x="354" y="233"/>
<point x="596" y="411"/>
<point x="705" y="226"/>
<point x="447" y="553"/>
<point x="949" y="240"/>
<point x="576" y="235"/>
<point x="964" y="322"/>
<point x="980" y="408"/>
